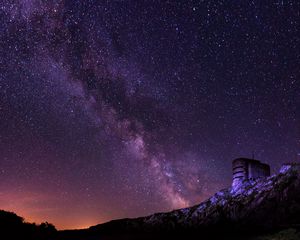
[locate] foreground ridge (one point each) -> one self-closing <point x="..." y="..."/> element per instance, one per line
<point x="264" y="203"/>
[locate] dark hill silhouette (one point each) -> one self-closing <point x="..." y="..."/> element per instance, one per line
<point x="14" y="227"/>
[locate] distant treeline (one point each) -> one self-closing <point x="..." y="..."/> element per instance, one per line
<point x="14" y="227"/>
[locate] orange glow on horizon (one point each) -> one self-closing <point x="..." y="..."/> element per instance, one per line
<point x="38" y="208"/>
<point x="67" y="223"/>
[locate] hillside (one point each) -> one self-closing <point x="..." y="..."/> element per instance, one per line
<point x="260" y="206"/>
<point x="262" y="209"/>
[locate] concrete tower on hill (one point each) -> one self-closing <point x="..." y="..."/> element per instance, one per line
<point x="248" y="169"/>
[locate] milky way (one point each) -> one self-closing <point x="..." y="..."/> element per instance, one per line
<point x="113" y="109"/>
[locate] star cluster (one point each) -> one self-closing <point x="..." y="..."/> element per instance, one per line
<point x="113" y="109"/>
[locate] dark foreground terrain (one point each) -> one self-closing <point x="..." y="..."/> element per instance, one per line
<point x="13" y="227"/>
<point x="264" y="209"/>
<point x="284" y="234"/>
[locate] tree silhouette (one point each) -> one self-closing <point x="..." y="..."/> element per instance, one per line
<point x="14" y="227"/>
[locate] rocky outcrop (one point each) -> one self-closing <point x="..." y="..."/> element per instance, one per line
<point x="261" y="204"/>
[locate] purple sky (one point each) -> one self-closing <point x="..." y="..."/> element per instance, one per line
<point x="112" y="109"/>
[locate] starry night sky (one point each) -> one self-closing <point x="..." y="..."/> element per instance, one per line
<point x="112" y="109"/>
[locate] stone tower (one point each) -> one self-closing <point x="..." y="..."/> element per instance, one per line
<point x="248" y="169"/>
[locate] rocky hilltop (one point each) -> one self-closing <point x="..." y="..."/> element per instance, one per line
<point x="264" y="204"/>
